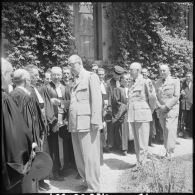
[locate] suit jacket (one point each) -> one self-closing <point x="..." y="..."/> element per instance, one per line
<point x="111" y="85"/>
<point x="168" y="93"/>
<point x="187" y="99"/>
<point x="65" y="101"/>
<point x="119" y="105"/>
<point x="86" y="103"/>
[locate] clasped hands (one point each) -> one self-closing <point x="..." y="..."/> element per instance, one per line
<point x="55" y="101"/>
<point x="163" y="108"/>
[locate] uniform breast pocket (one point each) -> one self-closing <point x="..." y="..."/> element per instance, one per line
<point x="82" y="94"/>
<point x="169" y="90"/>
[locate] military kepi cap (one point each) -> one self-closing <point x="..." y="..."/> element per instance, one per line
<point x="41" y="166"/>
<point x="119" y="70"/>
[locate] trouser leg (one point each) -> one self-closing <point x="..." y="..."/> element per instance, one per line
<point x="101" y="147"/>
<point x="124" y="136"/>
<point x="90" y="143"/>
<point x="141" y="137"/>
<point x="54" y="151"/>
<point x="78" y="154"/>
<point x="169" y="126"/>
<point x="110" y="134"/>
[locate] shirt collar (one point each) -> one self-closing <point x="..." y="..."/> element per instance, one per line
<point x="24" y="89"/>
<point x="81" y="72"/>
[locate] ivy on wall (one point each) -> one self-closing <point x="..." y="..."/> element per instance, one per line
<point x="150" y="33"/>
<point x="38" y="33"/>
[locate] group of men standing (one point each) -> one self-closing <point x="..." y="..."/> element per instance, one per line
<point x="138" y="108"/>
<point x="86" y="115"/>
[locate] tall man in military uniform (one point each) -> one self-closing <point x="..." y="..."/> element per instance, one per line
<point x="145" y="74"/>
<point x="85" y="121"/>
<point x="168" y="92"/>
<point x="141" y="101"/>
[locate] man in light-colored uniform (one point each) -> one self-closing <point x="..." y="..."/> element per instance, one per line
<point x="145" y="74"/>
<point x="141" y="101"/>
<point x="168" y="92"/>
<point x="85" y="121"/>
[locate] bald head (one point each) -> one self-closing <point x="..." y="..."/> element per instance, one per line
<point x="74" y="59"/>
<point x="56" y="69"/>
<point x="135" y="69"/>
<point x="21" y="76"/>
<point x="6" y="72"/>
<point x="136" y="66"/>
<point x="76" y="64"/>
<point x="164" y="71"/>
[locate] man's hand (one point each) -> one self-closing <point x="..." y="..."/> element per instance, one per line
<point x="183" y="92"/>
<point x="55" y="101"/>
<point x="163" y="108"/>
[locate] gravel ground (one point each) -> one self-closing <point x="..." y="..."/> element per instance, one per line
<point x="114" y="166"/>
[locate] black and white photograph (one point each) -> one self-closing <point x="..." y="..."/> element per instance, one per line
<point x="97" y="97"/>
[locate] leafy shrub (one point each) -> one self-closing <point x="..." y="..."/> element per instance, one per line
<point x="38" y="33"/>
<point x="150" y="33"/>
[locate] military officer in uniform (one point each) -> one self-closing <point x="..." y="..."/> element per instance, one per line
<point x="142" y="98"/>
<point x="145" y="74"/>
<point x="85" y="121"/>
<point x="168" y="92"/>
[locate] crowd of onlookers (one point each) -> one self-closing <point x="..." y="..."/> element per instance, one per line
<point x="130" y="110"/>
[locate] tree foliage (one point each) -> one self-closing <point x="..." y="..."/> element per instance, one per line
<point x="38" y="32"/>
<point x="151" y="33"/>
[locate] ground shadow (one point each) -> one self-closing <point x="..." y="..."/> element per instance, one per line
<point x="70" y="183"/>
<point x="116" y="164"/>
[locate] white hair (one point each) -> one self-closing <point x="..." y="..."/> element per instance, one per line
<point x="165" y="65"/>
<point x="20" y="75"/>
<point x="56" y="69"/>
<point x="136" y="65"/>
<point x="75" y="58"/>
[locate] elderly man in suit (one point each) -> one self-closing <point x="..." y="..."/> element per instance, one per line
<point x="168" y="92"/>
<point x="60" y="98"/>
<point x="85" y="121"/>
<point x="103" y="134"/>
<point x="187" y="104"/>
<point x="145" y="74"/>
<point x="142" y="99"/>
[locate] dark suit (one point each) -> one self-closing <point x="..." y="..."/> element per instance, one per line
<point x="69" y="160"/>
<point x="111" y="85"/>
<point x="186" y="106"/>
<point x="53" y="138"/>
<point x="121" y="128"/>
